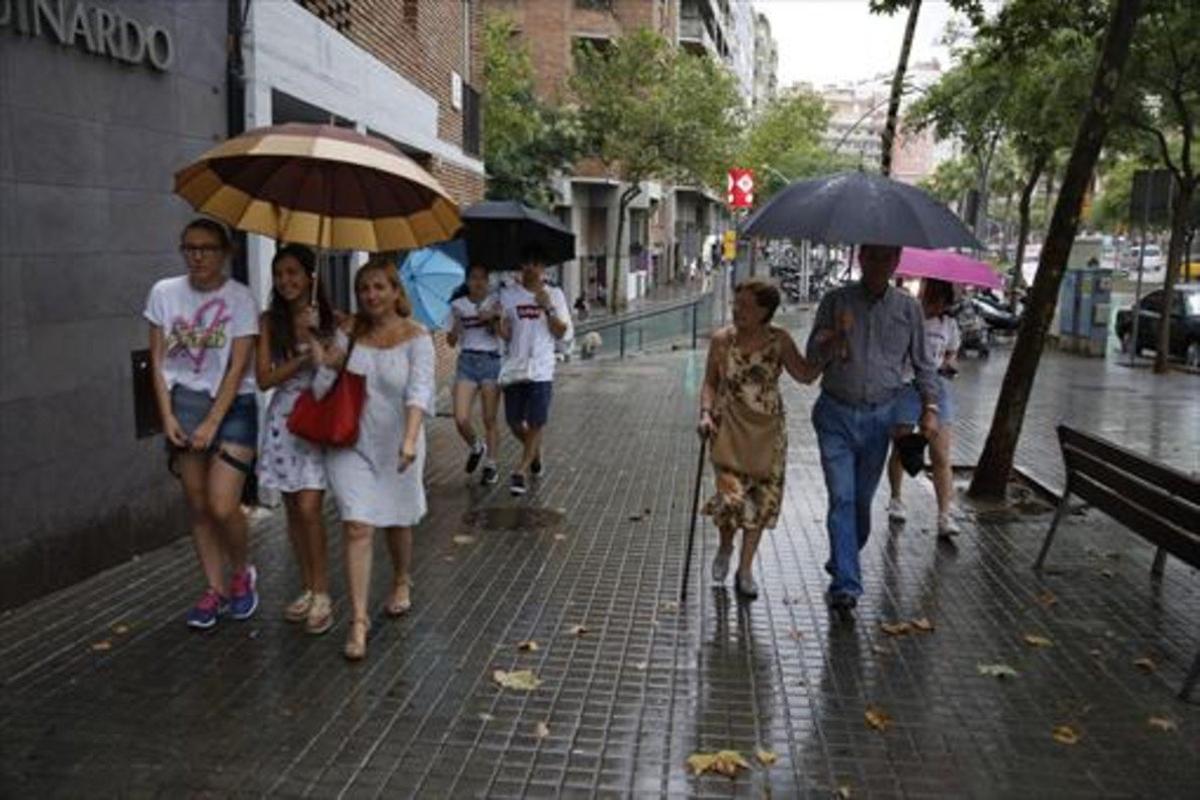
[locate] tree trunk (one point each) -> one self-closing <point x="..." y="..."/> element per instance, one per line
<point x="995" y="465"/>
<point x="893" y="113"/>
<point x="1023" y="210"/>
<point x="1175" y="256"/>
<point x="616" y="293"/>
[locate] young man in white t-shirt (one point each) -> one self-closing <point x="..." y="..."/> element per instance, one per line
<point x="533" y="317"/>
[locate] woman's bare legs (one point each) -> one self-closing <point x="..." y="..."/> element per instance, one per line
<point x="464" y="398"/>
<point x="750" y="540"/>
<point x="298" y="536"/>
<point x="490" y="394"/>
<point x="225" y="483"/>
<point x="316" y="548"/>
<point x="193" y="473"/>
<point x="943" y="475"/>
<point x="358" y="540"/>
<point x="400" y="546"/>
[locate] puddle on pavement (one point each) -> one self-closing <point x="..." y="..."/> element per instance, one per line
<point x="514" y="519"/>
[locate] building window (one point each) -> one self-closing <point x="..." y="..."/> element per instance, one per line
<point x="472" y="121"/>
<point x="598" y="44"/>
<point x="595" y="5"/>
<point x="410" y="14"/>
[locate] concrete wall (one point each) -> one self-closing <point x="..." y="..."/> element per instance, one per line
<point x="88" y="222"/>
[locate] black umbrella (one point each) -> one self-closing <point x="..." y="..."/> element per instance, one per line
<point x="498" y="230"/>
<point x="859" y="208"/>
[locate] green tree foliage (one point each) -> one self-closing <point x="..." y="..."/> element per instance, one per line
<point x="784" y="142"/>
<point x="1162" y="102"/>
<point x="652" y="111"/>
<point x="526" y="140"/>
<point x="950" y="181"/>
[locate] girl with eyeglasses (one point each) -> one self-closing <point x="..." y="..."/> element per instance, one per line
<point x="202" y="330"/>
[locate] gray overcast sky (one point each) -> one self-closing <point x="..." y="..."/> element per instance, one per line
<point x="824" y="41"/>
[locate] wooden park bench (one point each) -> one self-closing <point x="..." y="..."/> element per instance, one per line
<point x="1158" y="503"/>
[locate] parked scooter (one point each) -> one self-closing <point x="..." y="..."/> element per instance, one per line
<point x="975" y="333"/>
<point x="997" y="314"/>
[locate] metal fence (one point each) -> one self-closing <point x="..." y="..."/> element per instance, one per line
<point x="681" y="323"/>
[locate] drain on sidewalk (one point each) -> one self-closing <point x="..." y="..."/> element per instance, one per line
<point x="514" y="519"/>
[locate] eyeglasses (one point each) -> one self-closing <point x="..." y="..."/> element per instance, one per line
<point x="200" y="249"/>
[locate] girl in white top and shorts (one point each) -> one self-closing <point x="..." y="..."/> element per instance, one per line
<point x="202" y="330"/>
<point x="377" y="482"/>
<point x="475" y="319"/>
<point x="942" y="339"/>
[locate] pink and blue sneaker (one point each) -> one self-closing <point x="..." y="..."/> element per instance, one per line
<point x="243" y="596"/>
<point x="208" y="608"/>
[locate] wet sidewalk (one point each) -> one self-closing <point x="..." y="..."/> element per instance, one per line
<point x="104" y="692"/>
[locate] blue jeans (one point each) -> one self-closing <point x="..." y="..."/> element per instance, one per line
<point x="854" y="442"/>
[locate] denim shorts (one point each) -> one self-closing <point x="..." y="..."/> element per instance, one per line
<point x="239" y="427"/>
<point x="528" y="403"/>
<point x="478" y="367"/>
<point x="908" y="404"/>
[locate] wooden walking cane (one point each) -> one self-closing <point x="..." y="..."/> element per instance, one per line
<point x="687" y="561"/>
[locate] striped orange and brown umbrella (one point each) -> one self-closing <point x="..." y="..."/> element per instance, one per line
<point x="320" y="185"/>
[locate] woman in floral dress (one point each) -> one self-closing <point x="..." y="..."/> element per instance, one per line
<point x="745" y="362"/>
<point x="286" y="463"/>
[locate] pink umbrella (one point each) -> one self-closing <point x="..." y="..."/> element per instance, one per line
<point x="947" y="266"/>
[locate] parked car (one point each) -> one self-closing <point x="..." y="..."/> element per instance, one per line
<point x="1185" y="323"/>
<point x="1155" y="261"/>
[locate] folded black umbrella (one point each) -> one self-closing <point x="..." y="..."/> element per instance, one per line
<point x="912" y="453"/>
<point x="859" y="208"/>
<point x="498" y="231"/>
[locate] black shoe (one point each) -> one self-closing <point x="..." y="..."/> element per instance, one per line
<point x="491" y="475"/>
<point x="535" y="469"/>
<point x="746" y="586"/>
<point x="839" y="601"/>
<point x="478" y="451"/>
<point x="516" y="484"/>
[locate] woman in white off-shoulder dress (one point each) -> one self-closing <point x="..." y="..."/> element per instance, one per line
<point x="378" y="481"/>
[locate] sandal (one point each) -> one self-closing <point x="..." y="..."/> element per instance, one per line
<point x="401" y="602"/>
<point x="320" y="615"/>
<point x="356" y="648"/>
<point x="297" y="610"/>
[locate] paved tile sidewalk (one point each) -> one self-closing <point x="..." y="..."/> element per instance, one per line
<point x="105" y="693"/>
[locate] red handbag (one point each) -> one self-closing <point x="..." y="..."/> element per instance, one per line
<point x="333" y="420"/>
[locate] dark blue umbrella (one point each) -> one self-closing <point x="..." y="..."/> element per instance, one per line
<point x="859" y="208"/>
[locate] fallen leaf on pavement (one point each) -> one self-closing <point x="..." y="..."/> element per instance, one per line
<point x="102" y="646"/>
<point x="541" y="730"/>
<point x="486" y="717"/>
<point x="896" y="628"/>
<point x="844" y="792"/>
<point x="120" y="629"/>
<point x="1065" y="734"/>
<point x="882" y="649"/>
<point x="578" y="630"/>
<point x="1034" y="640"/>
<point x="923" y="624"/>
<point x="1047" y="599"/>
<point x="642" y="666"/>
<point x="522" y="679"/>
<point x="877" y="718"/>
<point x="560" y="537"/>
<point x="766" y="757"/>
<point x="463" y="538"/>
<point x="1145" y="664"/>
<point x="529" y="646"/>
<point x="796" y="634"/>
<point x="1161" y="723"/>
<point x="635" y="517"/>
<point x="723" y="762"/>
<point x="1095" y="653"/>
<point x="669" y="607"/>
<point x="996" y="670"/>
<point x="448" y="559"/>
<point x="1107" y="573"/>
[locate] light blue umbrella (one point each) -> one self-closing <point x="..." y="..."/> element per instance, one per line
<point x="430" y="276"/>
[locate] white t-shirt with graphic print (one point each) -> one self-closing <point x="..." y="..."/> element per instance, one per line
<point x="199" y="329"/>
<point x="473" y="332"/>
<point x="531" y="337"/>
